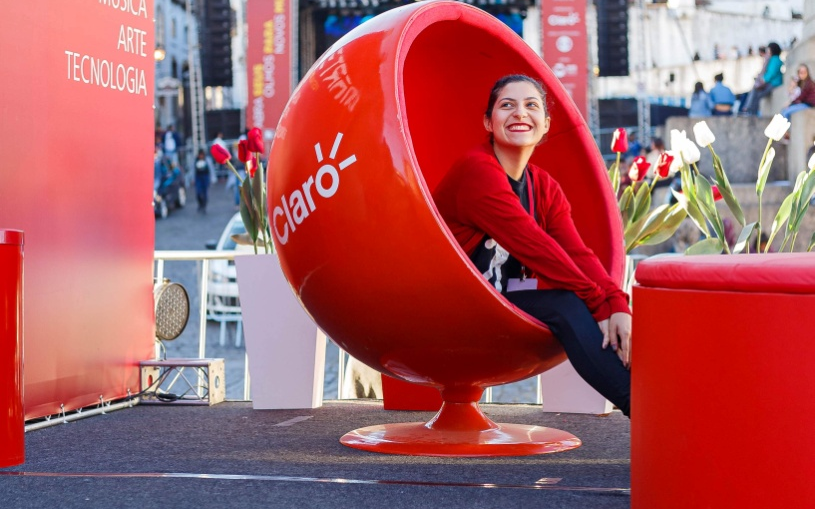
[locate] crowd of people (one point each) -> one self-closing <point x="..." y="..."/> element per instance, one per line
<point x="201" y="172"/>
<point x="720" y="100"/>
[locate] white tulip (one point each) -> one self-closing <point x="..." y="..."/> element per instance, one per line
<point x="677" y="140"/>
<point x="676" y="164"/>
<point x="777" y="128"/>
<point x="704" y="136"/>
<point x="690" y="152"/>
<point x="811" y="163"/>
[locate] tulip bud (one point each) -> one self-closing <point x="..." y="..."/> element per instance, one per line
<point x="254" y="141"/>
<point x="704" y="136"/>
<point x="677" y="140"/>
<point x="811" y="163"/>
<point x="619" y="143"/>
<point x="690" y="152"/>
<point x="639" y="169"/>
<point x="243" y="151"/>
<point x="664" y="164"/>
<point x="220" y="153"/>
<point x="251" y="167"/>
<point x="717" y="195"/>
<point x="777" y="128"/>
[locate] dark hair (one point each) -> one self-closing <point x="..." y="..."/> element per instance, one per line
<point x="719" y="77"/>
<point x="808" y="78"/>
<point x="698" y="87"/>
<point x="658" y="143"/>
<point x="506" y="80"/>
<point x="774" y="48"/>
<point x="513" y="78"/>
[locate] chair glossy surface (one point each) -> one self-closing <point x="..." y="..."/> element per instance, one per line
<point x="367" y="135"/>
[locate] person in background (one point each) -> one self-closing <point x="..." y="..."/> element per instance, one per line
<point x="202" y="174"/>
<point x="806" y="97"/>
<point x="699" y="105"/>
<point x="770" y="78"/>
<point x="159" y="167"/>
<point x="634" y="146"/>
<point x="171" y="144"/>
<point x="721" y="98"/>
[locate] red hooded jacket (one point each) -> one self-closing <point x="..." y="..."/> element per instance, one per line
<point x="475" y="199"/>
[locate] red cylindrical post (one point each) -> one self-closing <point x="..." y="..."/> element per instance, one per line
<point x="12" y="417"/>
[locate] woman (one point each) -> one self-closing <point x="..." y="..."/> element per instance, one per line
<point x="699" y="105"/>
<point x="766" y="82"/>
<point x="806" y="95"/>
<point x="514" y="222"/>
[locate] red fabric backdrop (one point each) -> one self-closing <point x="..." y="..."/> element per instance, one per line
<point x="77" y="137"/>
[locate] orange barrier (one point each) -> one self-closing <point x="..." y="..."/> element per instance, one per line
<point x="12" y="417"/>
<point x="723" y="405"/>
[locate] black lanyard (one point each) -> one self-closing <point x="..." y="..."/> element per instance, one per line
<point x="531" y="194"/>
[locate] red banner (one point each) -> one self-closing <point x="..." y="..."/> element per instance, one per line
<point x="564" y="46"/>
<point x="268" y="62"/>
<point x="77" y="140"/>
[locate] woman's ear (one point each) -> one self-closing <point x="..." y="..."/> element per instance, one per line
<point x="487" y="124"/>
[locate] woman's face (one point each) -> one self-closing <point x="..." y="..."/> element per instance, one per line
<point x="802" y="73"/>
<point x="519" y="116"/>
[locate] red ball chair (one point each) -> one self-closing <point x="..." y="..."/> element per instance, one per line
<point x="367" y="135"/>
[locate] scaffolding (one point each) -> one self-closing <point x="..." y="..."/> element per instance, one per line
<point x="197" y="106"/>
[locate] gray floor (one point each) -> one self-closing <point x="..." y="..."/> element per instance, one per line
<point x="229" y="455"/>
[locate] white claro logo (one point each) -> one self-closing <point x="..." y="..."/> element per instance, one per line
<point x="296" y="207"/>
<point x="568" y="20"/>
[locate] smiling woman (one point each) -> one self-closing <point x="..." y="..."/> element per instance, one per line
<point x="513" y="220"/>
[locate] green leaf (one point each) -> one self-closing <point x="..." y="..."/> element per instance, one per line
<point x="626" y="206"/>
<point x="664" y="228"/>
<point x="614" y="176"/>
<point x="726" y="189"/>
<point x="248" y="214"/>
<point x="781" y="217"/>
<point x="642" y="202"/>
<point x="811" y="243"/>
<point x="707" y="204"/>
<point x="632" y="233"/>
<point x="242" y="239"/>
<point x="688" y="187"/>
<point x="796" y="192"/>
<point x="802" y="204"/>
<point x="706" y="246"/>
<point x="257" y="191"/>
<point x="704" y="194"/>
<point x="764" y="171"/>
<point x="693" y="212"/>
<point x="744" y="237"/>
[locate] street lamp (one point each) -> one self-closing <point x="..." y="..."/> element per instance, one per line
<point x="159" y="54"/>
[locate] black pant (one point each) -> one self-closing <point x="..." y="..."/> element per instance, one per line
<point x="572" y="324"/>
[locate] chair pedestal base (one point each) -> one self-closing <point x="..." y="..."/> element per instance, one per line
<point x="460" y="429"/>
<point x="416" y="439"/>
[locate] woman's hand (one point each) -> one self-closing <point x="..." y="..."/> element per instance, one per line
<point x="617" y="333"/>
